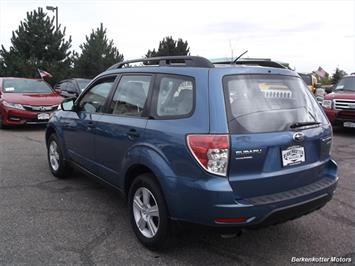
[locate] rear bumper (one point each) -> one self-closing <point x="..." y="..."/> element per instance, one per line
<point x="202" y="203"/>
<point x="20" y="117"/>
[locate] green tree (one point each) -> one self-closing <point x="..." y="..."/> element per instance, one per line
<point x="338" y="75"/>
<point x="36" y="44"/>
<point x="97" y="54"/>
<point x="169" y="46"/>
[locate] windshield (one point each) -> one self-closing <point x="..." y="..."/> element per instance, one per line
<point x="307" y="79"/>
<point x="82" y="84"/>
<point x="26" y="86"/>
<point x="346" y="84"/>
<point x="268" y="103"/>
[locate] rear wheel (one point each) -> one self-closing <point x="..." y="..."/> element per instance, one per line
<point x="57" y="164"/>
<point x="148" y="212"/>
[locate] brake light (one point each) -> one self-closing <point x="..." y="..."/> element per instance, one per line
<point x="211" y="152"/>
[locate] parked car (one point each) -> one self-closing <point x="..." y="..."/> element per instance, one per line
<point x="229" y="147"/>
<point x="26" y="101"/>
<point x="71" y="87"/>
<point x="340" y="104"/>
<point x="310" y="80"/>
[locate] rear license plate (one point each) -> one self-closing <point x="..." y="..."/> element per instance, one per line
<point x="349" y="124"/>
<point x="293" y="155"/>
<point x="43" y="116"/>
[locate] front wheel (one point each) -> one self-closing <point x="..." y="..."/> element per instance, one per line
<point x="57" y="164"/>
<point x="148" y="212"/>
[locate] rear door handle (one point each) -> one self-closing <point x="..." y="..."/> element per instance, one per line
<point x="132" y="134"/>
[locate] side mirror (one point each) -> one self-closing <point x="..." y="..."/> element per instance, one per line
<point x="68" y="104"/>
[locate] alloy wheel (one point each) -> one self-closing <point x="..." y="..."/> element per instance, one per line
<point x="146" y="212"/>
<point x="54" y="155"/>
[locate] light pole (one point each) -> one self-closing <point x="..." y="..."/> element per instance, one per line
<point x="52" y="8"/>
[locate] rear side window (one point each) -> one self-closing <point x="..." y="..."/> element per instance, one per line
<point x="268" y="103"/>
<point x="175" y="97"/>
<point x="131" y="95"/>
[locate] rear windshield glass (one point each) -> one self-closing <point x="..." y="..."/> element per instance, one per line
<point x="346" y="84"/>
<point x="268" y="103"/>
<point x="25" y="86"/>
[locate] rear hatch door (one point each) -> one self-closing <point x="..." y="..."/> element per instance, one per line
<point x="280" y="138"/>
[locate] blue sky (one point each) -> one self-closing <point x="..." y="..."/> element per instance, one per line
<point x="307" y="34"/>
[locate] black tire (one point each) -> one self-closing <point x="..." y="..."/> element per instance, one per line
<point x="2" y="125"/>
<point x="160" y="238"/>
<point x="63" y="170"/>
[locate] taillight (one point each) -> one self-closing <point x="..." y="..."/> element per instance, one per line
<point x="211" y="152"/>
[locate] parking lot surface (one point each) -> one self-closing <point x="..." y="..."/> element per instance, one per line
<point x="45" y="221"/>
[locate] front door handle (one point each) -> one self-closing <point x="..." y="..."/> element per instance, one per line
<point x="132" y="134"/>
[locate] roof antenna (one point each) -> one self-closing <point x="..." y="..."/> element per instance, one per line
<point x="240" y="56"/>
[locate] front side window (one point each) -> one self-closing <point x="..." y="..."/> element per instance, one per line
<point x="268" y="103"/>
<point x="26" y="86"/>
<point x="130" y="96"/>
<point x="175" y="97"/>
<point x="94" y="100"/>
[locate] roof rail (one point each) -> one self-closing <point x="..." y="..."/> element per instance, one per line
<point x="191" y="61"/>
<point x="264" y="63"/>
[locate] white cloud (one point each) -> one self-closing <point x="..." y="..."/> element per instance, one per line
<point x="305" y="33"/>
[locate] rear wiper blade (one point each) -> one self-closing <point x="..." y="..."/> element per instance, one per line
<point x="304" y="124"/>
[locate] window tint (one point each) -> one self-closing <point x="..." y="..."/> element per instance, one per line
<point x="94" y="100"/>
<point x="131" y="95"/>
<point x="175" y="96"/>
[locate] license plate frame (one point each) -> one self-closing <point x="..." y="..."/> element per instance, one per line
<point x="293" y="155"/>
<point x="43" y="116"/>
<point x="349" y="124"/>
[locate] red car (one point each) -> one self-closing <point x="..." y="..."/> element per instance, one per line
<point x="340" y="104"/>
<point x="26" y="101"/>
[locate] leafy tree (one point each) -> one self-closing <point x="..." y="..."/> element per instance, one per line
<point x="338" y="75"/>
<point x="169" y="46"/>
<point x="36" y="44"/>
<point x="97" y="54"/>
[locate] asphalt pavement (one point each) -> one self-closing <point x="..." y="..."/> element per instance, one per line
<point x="77" y="221"/>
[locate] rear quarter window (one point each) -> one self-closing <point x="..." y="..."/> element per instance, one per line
<point x="175" y="97"/>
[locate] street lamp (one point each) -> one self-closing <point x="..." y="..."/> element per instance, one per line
<point x="52" y="8"/>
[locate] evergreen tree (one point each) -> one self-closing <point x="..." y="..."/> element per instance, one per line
<point x="97" y="54"/>
<point x="169" y="46"/>
<point x="36" y="44"/>
<point x="338" y="75"/>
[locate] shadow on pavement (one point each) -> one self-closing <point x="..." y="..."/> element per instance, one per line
<point x="341" y="131"/>
<point x="24" y="128"/>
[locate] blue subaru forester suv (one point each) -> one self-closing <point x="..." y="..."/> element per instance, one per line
<point x="238" y="145"/>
